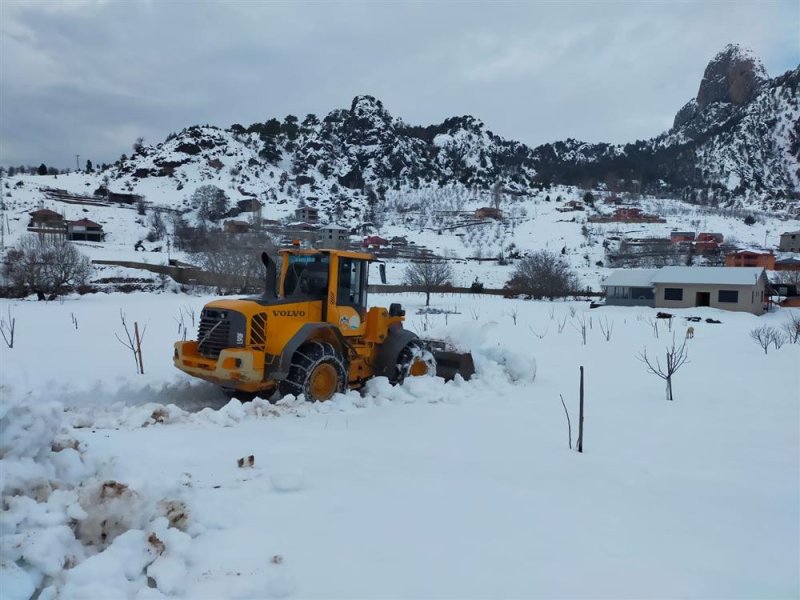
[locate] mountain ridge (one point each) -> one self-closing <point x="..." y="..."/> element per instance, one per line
<point x="736" y="143"/>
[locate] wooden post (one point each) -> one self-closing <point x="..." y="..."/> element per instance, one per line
<point x="580" y="417"/>
<point x="139" y="347"/>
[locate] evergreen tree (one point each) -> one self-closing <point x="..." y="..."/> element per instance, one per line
<point x="42" y="169"/>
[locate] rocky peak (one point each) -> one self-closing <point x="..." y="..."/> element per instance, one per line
<point x="367" y="122"/>
<point x="733" y="76"/>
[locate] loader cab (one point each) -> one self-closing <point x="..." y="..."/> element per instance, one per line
<point x="336" y="277"/>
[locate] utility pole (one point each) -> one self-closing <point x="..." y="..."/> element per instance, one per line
<point x="77" y="162"/>
<point x="2" y="220"/>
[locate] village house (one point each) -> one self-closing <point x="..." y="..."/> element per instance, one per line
<point x="374" y="241"/>
<point x="84" y="230"/>
<point x="488" y="212"/>
<point x="309" y="214"/>
<point x="399" y="241"/>
<point x="678" y="237"/>
<point x="787" y="264"/>
<point x="47" y="222"/>
<point x="727" y="288"/>
<point x="748" y="258"/>
<point x="123" y="198"/>
<point x="627" y="214"/>
<point x="630" y="287"/>
<point x="571" y="205"/>
<point x="233" y="226"/>
<point x="333" y="236"/>
<point x="706" y="242"/>
<point x="790" y="242"/>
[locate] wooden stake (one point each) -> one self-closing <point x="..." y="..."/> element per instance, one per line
<point x="139" y="346"/>
<point x="580" y="417"/>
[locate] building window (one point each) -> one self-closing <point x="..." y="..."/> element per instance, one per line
<point x="673" y="293"/>
<point x="728" y="296"/>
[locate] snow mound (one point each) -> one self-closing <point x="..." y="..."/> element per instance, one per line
<point x="66" y="532"/>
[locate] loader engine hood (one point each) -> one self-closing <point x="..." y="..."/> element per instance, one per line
<point x="221" y="327"/>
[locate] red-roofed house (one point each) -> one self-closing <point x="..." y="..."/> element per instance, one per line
<point x="708" y="241"/>
<point x="374" y="241"/>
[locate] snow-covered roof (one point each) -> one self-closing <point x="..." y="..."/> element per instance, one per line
<point x="688" y="275"/>
<point x="709" y="275"/>
<point x="630" y="278"/>
<point x="85" y="222"/>
<point x="334" y="228"/>
<point x="791" y="232"/>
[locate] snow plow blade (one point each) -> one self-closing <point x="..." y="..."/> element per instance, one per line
<point x="450" y="363"/>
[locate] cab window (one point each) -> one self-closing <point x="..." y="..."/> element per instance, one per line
<point x="352" y="283"/>
<point x="306" y="276"/>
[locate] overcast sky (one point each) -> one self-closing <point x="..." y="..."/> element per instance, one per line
<point x="89" y="77"/>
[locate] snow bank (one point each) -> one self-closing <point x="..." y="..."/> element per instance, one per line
<point x="66" y="532"/>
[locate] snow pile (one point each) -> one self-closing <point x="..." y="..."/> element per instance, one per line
<point x="66" y="532"/>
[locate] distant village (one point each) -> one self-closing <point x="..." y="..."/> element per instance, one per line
<point x="626" y="253"/>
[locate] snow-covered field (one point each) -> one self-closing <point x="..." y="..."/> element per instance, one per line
<point x="458" y="490"/>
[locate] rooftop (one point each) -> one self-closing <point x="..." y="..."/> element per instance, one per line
<point x="709" y="275"/>
<point x="687" y="275"/>
<point x="630" y="278"/>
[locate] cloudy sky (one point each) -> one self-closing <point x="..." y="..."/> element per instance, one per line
<point x="89" y="77"/>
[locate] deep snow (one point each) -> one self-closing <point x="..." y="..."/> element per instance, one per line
<point x="465" y="489"/>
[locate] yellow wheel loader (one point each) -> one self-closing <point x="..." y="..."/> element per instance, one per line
<point x="311" y="334"/>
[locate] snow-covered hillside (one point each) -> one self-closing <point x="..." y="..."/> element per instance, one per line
<point x="431" y="216"/>
<point x="123" y="485"/>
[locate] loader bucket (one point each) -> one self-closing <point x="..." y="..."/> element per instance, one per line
<point x="450" y="364"/>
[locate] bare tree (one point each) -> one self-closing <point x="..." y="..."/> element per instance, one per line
<point x="537" y="334"/>
<point x="606" y="329"/>
<point x="240" y="259"/>
<point x="792" y="329"/>
<point x="580" y="327"/>
<point x="569" y="424"/>
<point x="654" y="324"/>
<point x="7" y="328"/>
<point x="543" y="274"/>
<point x="428" y="275"/>
<point x="46" y="264"/>
<point x="765" y="336"/>
<point x="676" y="357"/>
<point x="514" y="314"/>
<point x="133" y="343"/>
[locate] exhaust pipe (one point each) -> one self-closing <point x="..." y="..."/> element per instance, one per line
<point x="270" y="284"/>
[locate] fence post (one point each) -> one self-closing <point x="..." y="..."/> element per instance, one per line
<point x="580" y="417"/>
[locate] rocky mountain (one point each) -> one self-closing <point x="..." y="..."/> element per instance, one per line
<point x="736" y="143"/>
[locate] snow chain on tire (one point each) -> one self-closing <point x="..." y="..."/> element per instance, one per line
<point x="412" y="352"/>
<point x="310" y="357"/>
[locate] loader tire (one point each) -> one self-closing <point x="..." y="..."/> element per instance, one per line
<point x="317" y="371"/>
<point x="414" y="360"/>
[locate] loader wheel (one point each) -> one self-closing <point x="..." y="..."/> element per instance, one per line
<point x="414" y="360"/>
<point x="317" y="371"/>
